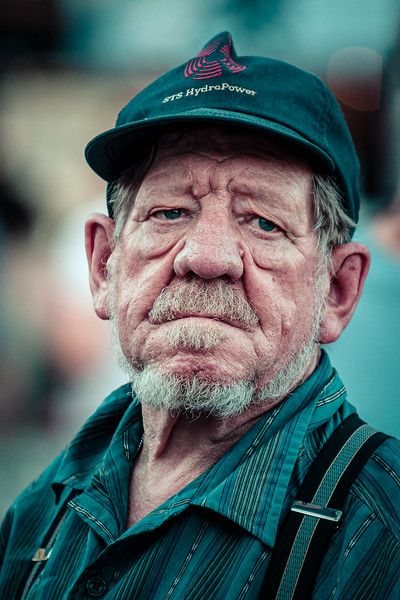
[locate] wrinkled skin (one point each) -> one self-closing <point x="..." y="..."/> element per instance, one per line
<point x="218" y="235"/>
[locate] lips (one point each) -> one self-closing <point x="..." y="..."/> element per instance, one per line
<point x="195" y="297"/>
<point x="176" y="316"/>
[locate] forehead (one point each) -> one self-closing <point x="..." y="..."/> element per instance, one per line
<point x="221" y="156"/>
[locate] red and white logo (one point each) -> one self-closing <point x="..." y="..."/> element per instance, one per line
<point x="213" y="61"/>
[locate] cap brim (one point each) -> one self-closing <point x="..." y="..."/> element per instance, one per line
<point x="111" y="152"/>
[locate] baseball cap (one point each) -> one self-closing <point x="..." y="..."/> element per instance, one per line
<point x="259" y="93"/>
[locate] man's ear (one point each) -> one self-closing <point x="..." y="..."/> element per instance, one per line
<point x="350" y="264"/>
<point x="99" y="247"/>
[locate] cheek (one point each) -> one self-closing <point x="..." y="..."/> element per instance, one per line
<point x="143" y="270"/>
<point x="283" y="296"/>
<point x="147" y="244"/>
<point x="267" y="256"/>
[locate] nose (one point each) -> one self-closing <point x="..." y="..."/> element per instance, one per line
<point x="211" y="250"/>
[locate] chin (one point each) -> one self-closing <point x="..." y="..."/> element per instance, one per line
<point x="204" y="366"/>
<point x="191" y="393"/>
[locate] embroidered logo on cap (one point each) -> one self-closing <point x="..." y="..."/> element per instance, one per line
<point x="213" y="60"/>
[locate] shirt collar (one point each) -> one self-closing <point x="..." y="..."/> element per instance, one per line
<point x="89" y="446"/>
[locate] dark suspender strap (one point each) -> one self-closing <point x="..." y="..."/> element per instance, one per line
<point x="302" y="539"/>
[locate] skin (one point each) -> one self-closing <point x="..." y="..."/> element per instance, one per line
<point x="218" y="191"/>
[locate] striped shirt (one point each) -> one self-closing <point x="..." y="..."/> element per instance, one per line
<point x="214" y="538"/>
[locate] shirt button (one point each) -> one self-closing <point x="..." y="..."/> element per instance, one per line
<point x="96" y="586"/>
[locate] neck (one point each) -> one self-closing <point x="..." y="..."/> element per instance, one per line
<point x="179" y="436"/>
<point x="178" y="447"/>
<point x="176" y="450"/>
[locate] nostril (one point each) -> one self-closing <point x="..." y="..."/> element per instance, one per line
<point x="214" y="257"/>
<point x="227" y="278"/>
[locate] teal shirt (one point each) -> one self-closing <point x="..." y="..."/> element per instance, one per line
<point x="214" y="538"/>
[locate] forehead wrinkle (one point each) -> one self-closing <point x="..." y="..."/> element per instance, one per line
<point x="195" y="175"/>
<point x="178" y="184"/>
<point x="173" y="165"/>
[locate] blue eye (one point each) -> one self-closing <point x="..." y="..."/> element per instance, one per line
<point x="265" y="224"/>
<point x="173" y="213"/>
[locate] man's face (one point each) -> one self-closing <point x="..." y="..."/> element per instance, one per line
<point x="223" y="218"/>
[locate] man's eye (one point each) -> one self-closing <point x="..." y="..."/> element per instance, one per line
<point x="265" y="224"/>
<point x="168" y="214"/>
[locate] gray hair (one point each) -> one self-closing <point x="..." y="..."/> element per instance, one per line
<point x="331" y="223"/>
<point x="123" y="191"/>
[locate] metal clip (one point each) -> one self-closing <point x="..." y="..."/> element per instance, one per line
<point x="41" y="555"/>
<point x="319" y="512"/>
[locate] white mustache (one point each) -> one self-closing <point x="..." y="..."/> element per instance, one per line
<point x="195" y="297"/>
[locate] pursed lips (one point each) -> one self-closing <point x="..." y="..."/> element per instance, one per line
<point x="176" y="316"/>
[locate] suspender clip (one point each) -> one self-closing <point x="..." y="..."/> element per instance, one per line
<point x="319" y="512"/>
<point x="41" y="555"/>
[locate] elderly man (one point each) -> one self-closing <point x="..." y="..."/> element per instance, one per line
<point x="223" y="264"/>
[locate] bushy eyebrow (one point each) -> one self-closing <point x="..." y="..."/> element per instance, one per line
<point x="271" y="202"/>
<point x="262" y="195"/>
<point x="155" y="193"/>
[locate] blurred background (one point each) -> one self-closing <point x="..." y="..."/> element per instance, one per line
<point x="67" y="67"/>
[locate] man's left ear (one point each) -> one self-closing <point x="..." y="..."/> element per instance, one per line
<point x="350" y="265"/>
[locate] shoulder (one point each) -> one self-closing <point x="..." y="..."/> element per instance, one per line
<point x="39" y="488"/>
<point x="363" y="557"/>
<point x="377" y="487"/>
<point x="72" y="468"/>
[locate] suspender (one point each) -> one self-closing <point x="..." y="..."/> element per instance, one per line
<point x="310" y="523"/>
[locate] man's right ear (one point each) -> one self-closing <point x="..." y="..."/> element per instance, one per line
<point x="99" y="245"/>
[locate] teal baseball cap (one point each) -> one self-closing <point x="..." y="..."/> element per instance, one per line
<point x="259" y="93"/>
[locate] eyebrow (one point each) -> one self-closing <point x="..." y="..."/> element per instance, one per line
<point x="154" y="192"/>
<point x="260" y="194"/>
